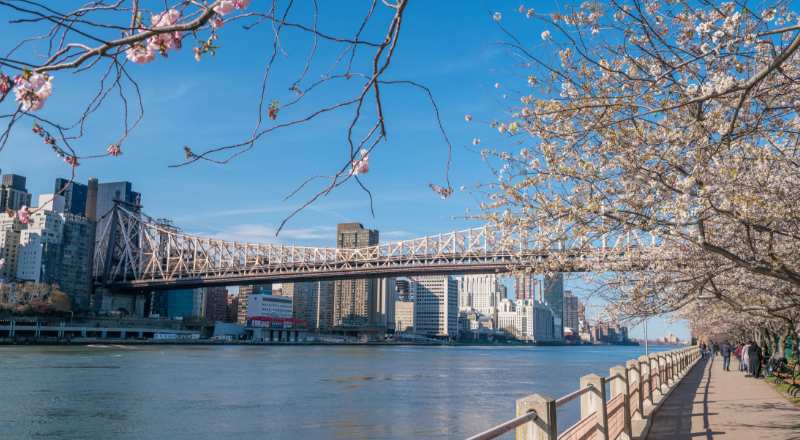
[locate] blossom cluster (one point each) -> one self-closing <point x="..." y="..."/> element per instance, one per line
<point x="162" y="43"/>
<point x="31" y="90"/>
<point x="361" y="165"/>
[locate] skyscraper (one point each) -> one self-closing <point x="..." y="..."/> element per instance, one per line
<point x="216" y="303"/>
<point x="13" y="194"/>
<point x="74" y="195"/>
<point x="524" y="286"/>
<point x="355" y="302"/>
<point x="554" y="298"/>
<point x="10" y="229"/>
<point x="480" y="292"/>
<point x="312" y="303"/>
<point x="56" y="248"/>
<point x="108" y="193"/>
<point x="571" y="311"/>
<point x="435" y="305"/>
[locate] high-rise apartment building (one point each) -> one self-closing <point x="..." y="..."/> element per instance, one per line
<point x="355" y="302"/>
<point x="525" y="286"/>
<point x="571" y="305"/>
<point x="232" y="308"/>
<point x="435" y="305"/>
<point x="10" y="229"/>
<point x="13" y="194"/>
<point x="216" y="303"/>
<point x="387" y="295"/>
<point x="312" y="303"/>
<point x="526" y="320"/>
<point x="480" y="292"/>
<point x="404" y="316"/>
<point x="74" y="194"/>
<point x="554" y="298"/>
<point x="56" y="248"/>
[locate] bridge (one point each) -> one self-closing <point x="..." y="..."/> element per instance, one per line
<point x="136" y="252"/>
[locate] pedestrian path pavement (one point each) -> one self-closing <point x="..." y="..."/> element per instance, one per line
<point x="711" y="403"/>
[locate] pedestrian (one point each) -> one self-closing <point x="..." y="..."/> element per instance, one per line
<point x="725" y="349"/>
<point x="745" y="365"/>
<point x="753" y="359"/>
<point x="702" y="350"/>
<point x="758" y="356"/>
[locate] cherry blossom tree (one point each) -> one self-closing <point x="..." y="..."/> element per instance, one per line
<point x="106" y="38"/>
<point x="677" y="118"/>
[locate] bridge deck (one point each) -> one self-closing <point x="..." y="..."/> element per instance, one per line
<point x="711" y="403"/>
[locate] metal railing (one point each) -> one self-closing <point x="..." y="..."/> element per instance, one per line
<point x="633" y="383"/>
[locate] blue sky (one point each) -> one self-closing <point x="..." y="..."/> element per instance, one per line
<point x="450" y="46"/>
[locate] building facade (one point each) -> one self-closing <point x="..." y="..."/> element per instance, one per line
<point x="525" y="286"/>
<point x="74" y="194"/>
<point x="404" y="316"/>
<point x="571" y="306"/>
<point x="554" y="298"/>
<point x="56" y="248"/>
<point x="10" y="230"/>
<point x="244" y="293"/>
<point x="216" y="303"/>
<point x="312" y="303"/>
<point x="13" y="194"/>
<point x="480" y="292"/>
<point x="435" y="305"/>
<point x="355" y="301"/>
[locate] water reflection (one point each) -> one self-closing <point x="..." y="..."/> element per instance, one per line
<point x="352" y="392"/>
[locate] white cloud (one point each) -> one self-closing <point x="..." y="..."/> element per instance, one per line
<point x="254" y="233"/>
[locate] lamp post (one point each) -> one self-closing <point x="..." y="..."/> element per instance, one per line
<point x="646" y="348"/>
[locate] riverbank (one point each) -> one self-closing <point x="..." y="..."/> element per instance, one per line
<point x="167" y="342"/>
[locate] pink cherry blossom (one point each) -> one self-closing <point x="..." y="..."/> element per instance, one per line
<point x="224" y="7"/>
<point x="361" y="166"/>
<point x="163" y="42"/>
<point x="32" y="90"/>
<point x="140" y="54"/>
<point x="23" y="215"/>
<point x="114" y="150"/>
<point x="5" y="85"/>
<point x="217" y="22"/>
<point x="227" y="6"/>
<point x="71" y="161"/>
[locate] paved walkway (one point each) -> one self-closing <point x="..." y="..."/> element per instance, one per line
<point x="711" y="403"/>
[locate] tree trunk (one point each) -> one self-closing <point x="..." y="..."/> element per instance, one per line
<point x="780" y="349"/>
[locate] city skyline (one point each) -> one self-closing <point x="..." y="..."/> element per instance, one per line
<point x="509" y="281"/>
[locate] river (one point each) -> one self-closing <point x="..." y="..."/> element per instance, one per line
<point x="281" y="392"/>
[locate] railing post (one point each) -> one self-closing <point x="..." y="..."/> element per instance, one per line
<point x="655" y="372"/>
<point x="663" y="370"/>
<point x="634" y="371"/>
<point x="644" y="371"/>
<point x="545" y="426"/>
<point x="620" y="385"/>
<point x="595" y="401"/>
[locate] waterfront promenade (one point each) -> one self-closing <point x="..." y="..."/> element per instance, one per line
<point x="711" y="403"/>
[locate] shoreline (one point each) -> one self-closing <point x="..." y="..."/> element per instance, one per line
<point x="112" y="342"/>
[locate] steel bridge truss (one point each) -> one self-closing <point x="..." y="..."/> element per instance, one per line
<point x="136" y="252"/>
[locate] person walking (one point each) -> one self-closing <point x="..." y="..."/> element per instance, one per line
<point x="752" y="358"/>
<point x="756" y="358"/>
<point x="745" y="365"/>
<point x="725" y="349"/>
<point x="702" y="350"/>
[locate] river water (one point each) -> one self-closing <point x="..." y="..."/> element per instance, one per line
<point x="281" y="392"/>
